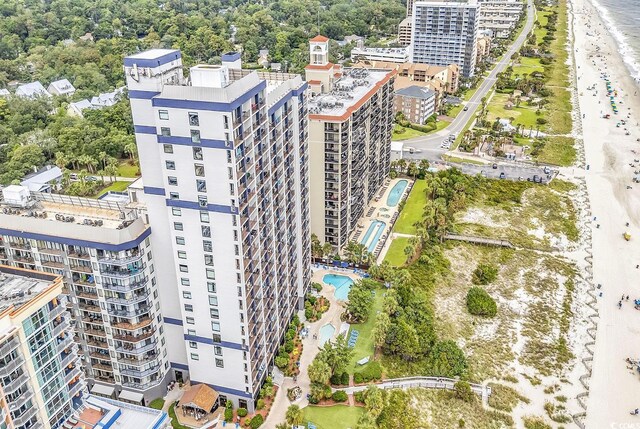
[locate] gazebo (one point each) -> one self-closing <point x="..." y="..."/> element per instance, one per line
<point x="198" y="402"/>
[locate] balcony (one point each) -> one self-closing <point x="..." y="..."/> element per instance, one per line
<point x="98" y="344"/>
<point x="120" y="274"/>
<point x="127" y="286"/>
<point x="88" y="307"/>
<point x="129" y="313"/>
<point x="133" y="326"/>
<point x="19" y="245"/>
<point x="139" y="373"/>
<point x="134" y="338"/>
<point x="76" y="388"/>
<point x="95" y="332"/>
<point x="70" y="374"/>
<point x="130" y="299"/>
<point x="139" y="362"/>
<point x="79" y="255"/>
<point x="10" y="367"/>
<point x="87" y="294"/>
<point x="132" y="350"/>
<point x="121" y="261"/>
<point x="23" y="259"/>
<point x="24" y="418"/>
<point x="81" y="268"/>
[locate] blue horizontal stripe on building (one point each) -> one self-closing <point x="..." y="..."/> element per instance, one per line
<point x="78" y="242"/>
<point x="150" y="190"/>
<point x="193" y="205"/>
<point x="186" y="141"/>
<point x="181" y="366"/>
<point x="209" y="341"/>
<point x="152" y="62"/>
<point x="144" y="129"/>
<point x="215" y="106"/>
<point x="226" y="390"/>
<point x="172" y="321"/>
<point x="142" y="95"/>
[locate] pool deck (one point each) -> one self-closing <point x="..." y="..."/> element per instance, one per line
<point x="373" y="212"/>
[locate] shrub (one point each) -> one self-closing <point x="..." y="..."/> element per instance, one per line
<point x="359" y="396"/>
<point x="335" y="379"/>
<point x="462" y="391"/>
<point x="308" y="313"/>
<point x="317" y="287"/>
<point x="484" y="274"/>
<point x="256" y="421"/>
<point x="313" y="400"/>
<point x="357" y="378"/>
<point x="281" y="362"/>
<point x="446" y="359"/>
<point x="339" y="396"/>
<point x="479" y="303"/>
<point x="291" y="334"/>
<point x="242" y="412"/>
<point x="228" y="414"/>
<point x="344" y="379"/>
<point x="288" y="346"/>
<point x="373" y="371"/>
<point x="260" y="405"/>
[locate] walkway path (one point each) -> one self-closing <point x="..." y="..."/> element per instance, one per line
<point x="479" y="240"/>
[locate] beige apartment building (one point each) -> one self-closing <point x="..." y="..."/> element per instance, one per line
<point x="350" y="125"/>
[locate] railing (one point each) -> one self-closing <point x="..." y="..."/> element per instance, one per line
<point x="140" y="373"/>
<point x="11" y="366"/>
<point x="121" y="261"/>
<point x="129" y="313"/>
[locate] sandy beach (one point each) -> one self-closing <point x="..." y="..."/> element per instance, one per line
<point x="612" y="155"/>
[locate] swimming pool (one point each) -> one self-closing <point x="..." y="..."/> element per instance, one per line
<point x="326" y="332"/>
<point x="341" y="283"/>
<point x="396" y="192"/>
<point x="371" y="237"/>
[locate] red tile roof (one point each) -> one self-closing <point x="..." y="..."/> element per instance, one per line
<point x="319" y="38"/>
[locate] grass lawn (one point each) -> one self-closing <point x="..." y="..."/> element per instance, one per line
<point x="364" y="344"/>
<point x="453" y="112"/>
<point x="157" y="404"/>
<point x="559" y="108"/>
<point x="127" y="170"/>
<point x="335" y="417"/>
<point x="408" y="133"/>
<point x="522" y="115"/>
<point x="413" y="209"/>
<point x="114" y="186"/>
<point x="455" y="159"/>
<point x="440" y="125"/>
<point x="539" y="31"/>
<point x="469" y="93"/>
<point x="558" y="151"/>
<point x="395" y="255"/>
<point x="174" y="419"/>
<point x="527" y="65"/>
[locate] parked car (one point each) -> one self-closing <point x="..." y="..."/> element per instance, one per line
<point x="466" y="108"/>
<point x="503" y="176"/>
<point x="494" y="166"/>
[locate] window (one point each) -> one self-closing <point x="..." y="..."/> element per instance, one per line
<point x="180" y="241"/>
<point x="173" y="181"/>
<point x="215" y="326"/>
<point x="165" y="131"/>
<point x="170" y="165"/>
<point x="197" y="153"/>
<point x="194" y="120"/>
<point x="174" y="195"/>
<point x="190" y="321"/>
<point x="193" y="344"/>
<point x="215" y="313"/>
<point x="188" y="308"/>
<point x="219" y="363"/>
<point x="211" y="275"/>
<point x="226" y="122"/>
<point x="184" y="281"/>
<point x="216" y="338"/>
<point x="186" y="295"/>
<point x="213" y="300"/>
<point x="178" y="226"/>
<point x="176" y="211"/>
<point x="199" y="169"/>
<point x="191" y="332"/>
<point x="201" y="185"/>
<point x="195" y="356"/>
<point x="208" y="260"/>
<point x="211" y="287"/>
<point x="182" y="254"/>
<point x="217" y="350"/>
<point x="163" y="114"/>
<point x="206" y="231"/>
<point x="204" y="217"/>
<point x="168" y="148"/>
<point x="207" y="246"/>
<point x="184" y="268"/>
<point x="202" y="201"/>
<point x="195" y="136"/>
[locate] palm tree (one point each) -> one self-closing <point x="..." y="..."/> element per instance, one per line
<point x="294" y="415"/>
<point x="131" y="149"/>
<point x="111" y="171"/>
<point x="402" y="165"/>
<point x="61" y="160"/>
<point x="327" y="249"/>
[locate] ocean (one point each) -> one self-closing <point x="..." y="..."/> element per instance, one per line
<point x="622" y="18"/>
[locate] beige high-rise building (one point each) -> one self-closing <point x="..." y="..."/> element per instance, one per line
<point x="404" y="32"/>
<point x="350" y="125"/>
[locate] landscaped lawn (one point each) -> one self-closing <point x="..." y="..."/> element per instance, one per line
<point x="127" y="170"/>
<point x="459" y="160"/>
<point x="364" y="344"/>
<point x="114" y="186"/>
<point x="527" y="65"/>
<point x="413" y="209"/>
<point x="157" y="404"/>
<point x="408" y="133"/>
<point x="174" y="419"/>
<point x="395" y="255"/>
<point x="558" y="151"/>
<point x="539" y="31"/>
<point x="523" y="115"/>
<point x="335" y="417"/>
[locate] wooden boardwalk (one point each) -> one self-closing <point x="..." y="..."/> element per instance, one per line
<point x="480" y="240"/>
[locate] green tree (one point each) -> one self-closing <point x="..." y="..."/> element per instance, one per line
<point x="374" y="400"/>
<point x="319" y="371"/>
<point x="359" y="303"/>
<point x="381" y="329"/>
<point x="294" y="415"/>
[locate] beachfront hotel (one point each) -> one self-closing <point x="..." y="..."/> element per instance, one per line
<point x="350" y="124"/>
<point x="499" y="18"/>
<point x="102" y="252"/>
<point x="224" y="160"/>
<point x="444" y="33"/>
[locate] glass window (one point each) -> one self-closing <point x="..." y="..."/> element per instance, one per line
<point x="176" y="211"/>
<point x="197" y="153"/>
<point x="184" y="281"/>
<point x="213" y="300"/>
<point x="217" y="350"/>
<point x="163" y="114"/>
<point x="208" y="260"/>
<point x="168" y="148"/>
<point x="199" y="169"/>
<point x="170" y="165"/>
<point x="165" y="131"/>
<point x="216" y="338"/>
<point x="195" y="136"/>
<point x="211" y="275"/>
<point x="182" y="254"/>
<point x="173" y="181"/>
<point x="186" y="295"/>
<point x="178" y="226"/>
<point x="206" y="230"/>
<point x="195" y="356"/>
<point x="204" y="216"/>
<point x="193" y="344"/>
<point x="174" y="195"/>
<point x="211" y="287"/>
<point x="201" y="185"/>
<point x="215" y="313"/>
<point x="180" y="241"/>
<point x="184" y="268"/>
<point x="202" y="201"/>
<point x="215" y="326"/>
<point x="207" y="245"/>
<point x="191" y="331"/>
<point x="194" y="121"/>
<point x="188" y="307"/>
<point x="219" y="363"/>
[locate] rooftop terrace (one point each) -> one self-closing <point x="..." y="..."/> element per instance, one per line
<point x="18" y="287"/>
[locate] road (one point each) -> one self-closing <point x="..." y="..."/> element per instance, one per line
<point x="511" y="171"/>
<point x="430" y="145"/>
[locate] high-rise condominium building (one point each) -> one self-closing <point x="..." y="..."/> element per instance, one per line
<point x="41" y="383"/>
<point x="102" y="252"/>
<point x="224" y="162"/>
<point x="444" y="33"/>
<point x="350" y="124"/>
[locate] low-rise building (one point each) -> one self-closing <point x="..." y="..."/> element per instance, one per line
<point x="392" y="55"/>
<point x="499" y="18"/>
<point x="448" y="75"/>
<point x="76" y="108"/>
<point x="416" y="103"/>
<point x="43" y="180"/>
<point x="61" y="87"/>
<point x="484" y="47"/>
<point x="404" y="32"/>
<point x="397" y="149"/>
<point x="32" y="90"/>
<point x="105" y="413"/>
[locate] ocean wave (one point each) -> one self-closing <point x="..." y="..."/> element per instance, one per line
<point x="625" y="50"/>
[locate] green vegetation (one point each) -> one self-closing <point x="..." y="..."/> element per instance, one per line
<point x="403" y="133"/>
<point x="484" y="274"/>
<point x="174" y="420"/>
<point x="337" y="416"/>
<point x="535" y="423"/>
<point x="412" y="209"/>
<point x="115" y="187"/>
<point x="480" y="303"/>
<point x="557" y="150"/>
<point x="521" y="113"/>
<point x="395" y="255"/>
<point x="505" y="398"/>
<point x="365" y="345"/>
<point x="527" y="66"/>
<point x="458" y="160"/>
<point x="157" y="404"/>
<point x="360" y="301"/>
<point x="126" y="169"/>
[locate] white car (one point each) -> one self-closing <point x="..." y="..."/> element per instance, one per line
<point x="410" y="149"/>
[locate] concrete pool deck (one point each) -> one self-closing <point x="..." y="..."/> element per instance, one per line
<point x="378" y="210"/>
